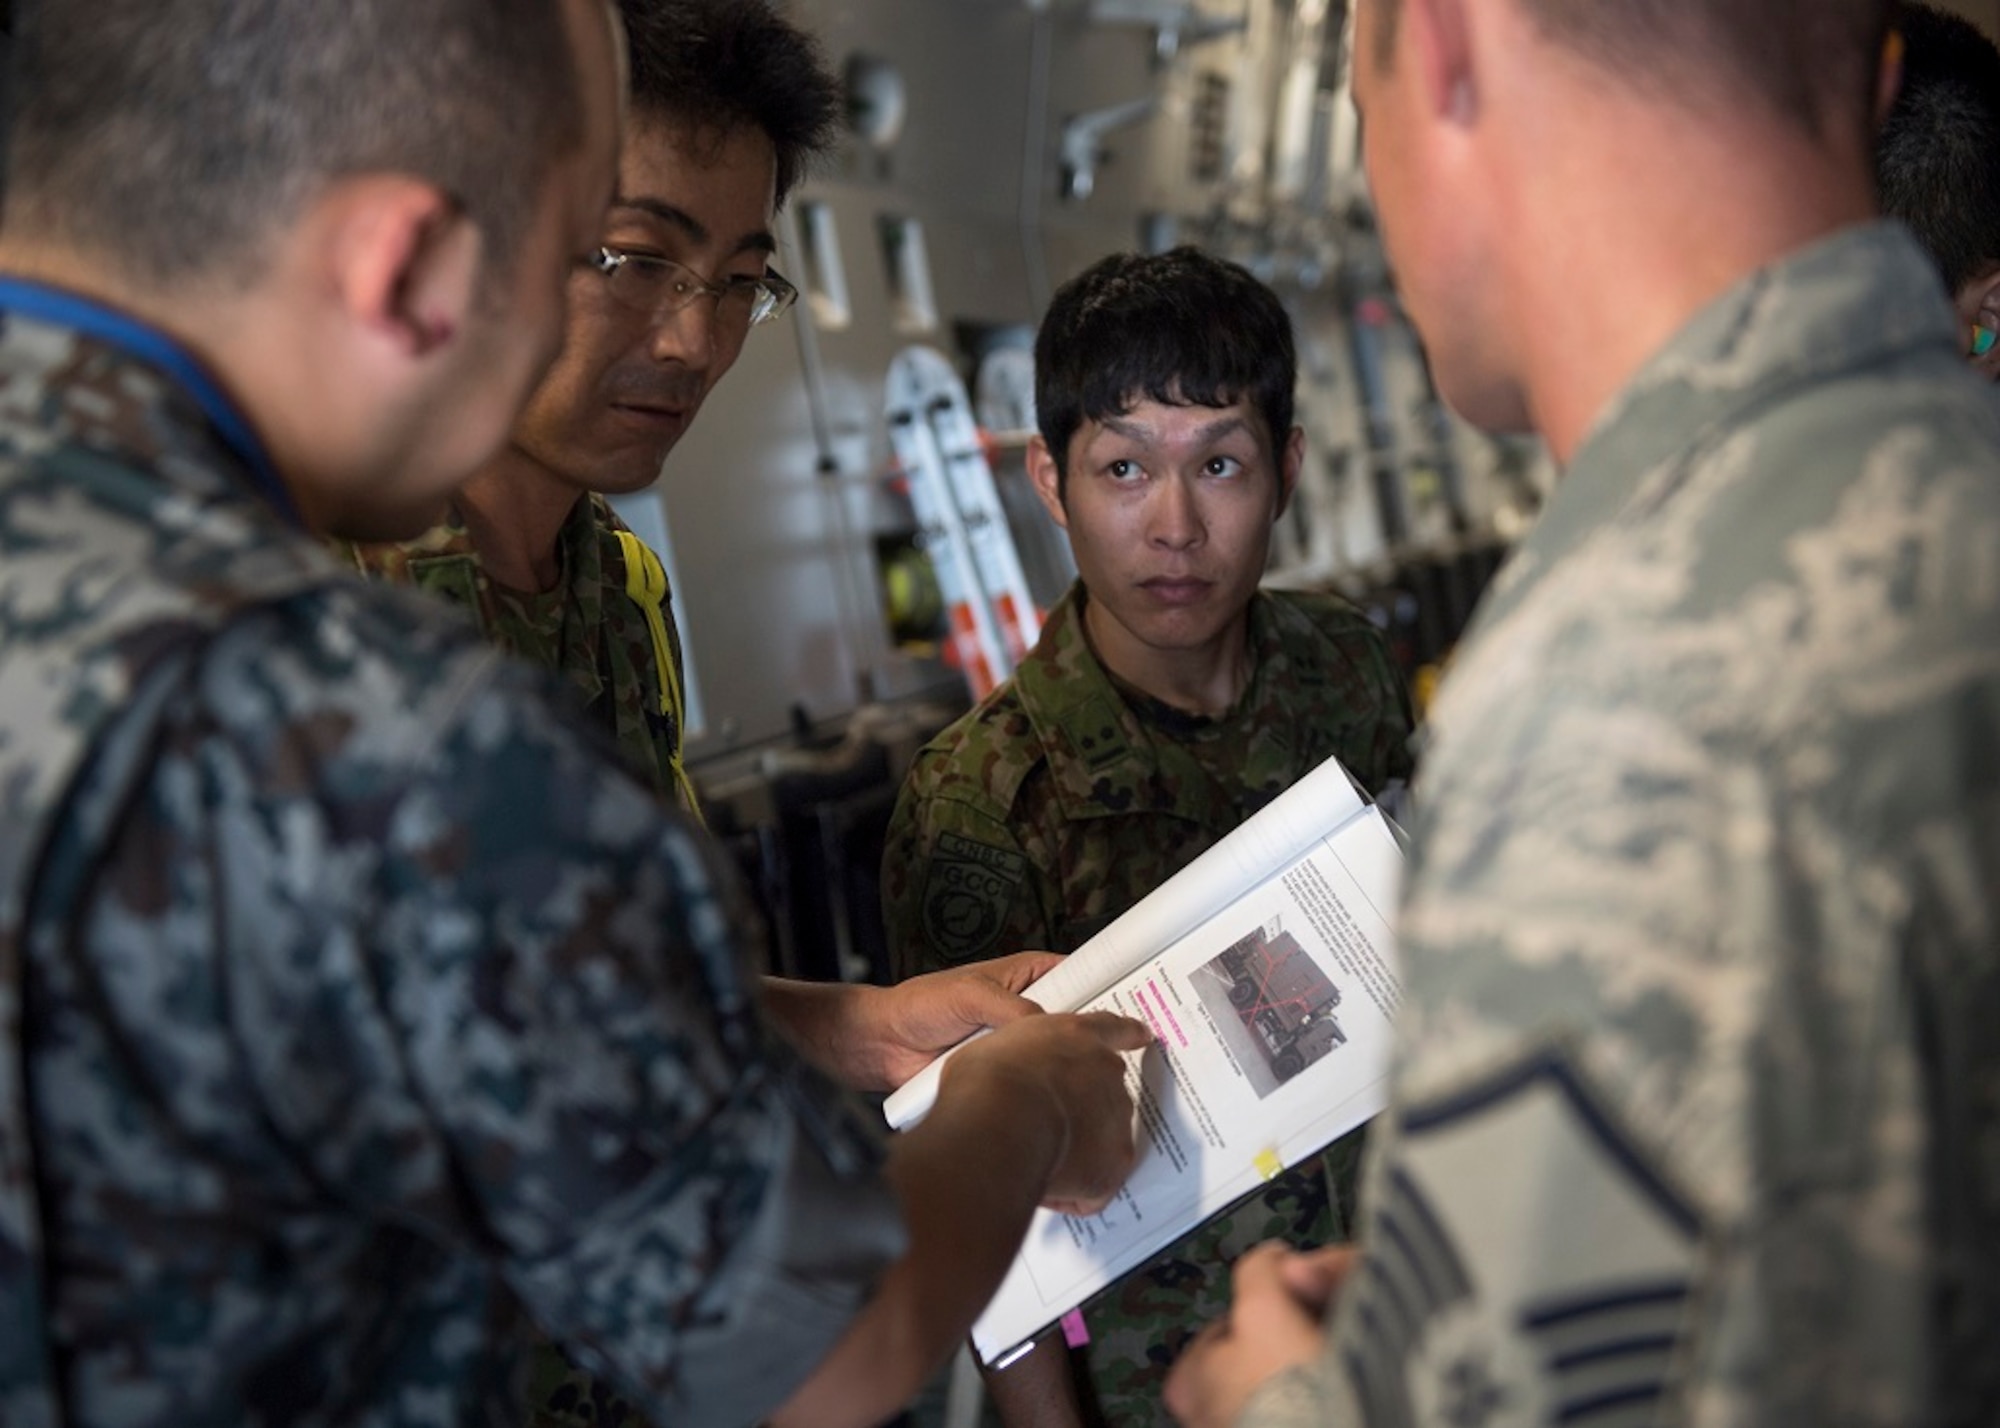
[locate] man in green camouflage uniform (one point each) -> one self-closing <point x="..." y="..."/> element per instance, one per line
<point x="1167" y="700"/>
<point x="1696" y="1104"/>
<point x="730" y="102"/>
<point x="621" y="651"/>
<point x="357" y="1006"/>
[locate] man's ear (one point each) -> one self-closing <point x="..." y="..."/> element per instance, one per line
<point x="1043" y="472"/>
<point x="1889" y="76"/>
<point x="1441" y="45"/>
<point x="1979" y="307"/>
<point x="406" y="261"/>
<point x="1291" y="461"/>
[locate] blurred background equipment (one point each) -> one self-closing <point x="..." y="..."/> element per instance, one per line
<point x="855" y="549"/>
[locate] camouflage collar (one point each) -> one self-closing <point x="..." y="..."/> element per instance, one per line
<point x="557" y="628"/>
<point x="1104" y="760"/>
<point x="1849" y="301"/>
<point x="81" y="316"/>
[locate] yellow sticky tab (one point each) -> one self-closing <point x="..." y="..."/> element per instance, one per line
<point x="1269" y="1166"/>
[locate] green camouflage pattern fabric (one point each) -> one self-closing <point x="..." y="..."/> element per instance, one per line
<point x="374" y="1011"/>
<point x="1064" y="798"/>
<point x="1696" y="1114"/>
<point x="1139" y="1325"/>
<point x="587" y="628"/>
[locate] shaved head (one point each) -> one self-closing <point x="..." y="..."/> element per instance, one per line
<point x="1812" y="61"/>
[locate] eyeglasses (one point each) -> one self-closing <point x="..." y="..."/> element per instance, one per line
<point x="653" y="285"/>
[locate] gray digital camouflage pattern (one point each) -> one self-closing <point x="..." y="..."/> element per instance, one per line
<point x="371" y="1007"/>
<point x="1697" y="1110"/>
<point x="1062" y="800"/>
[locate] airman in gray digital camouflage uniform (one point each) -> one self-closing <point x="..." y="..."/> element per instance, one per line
<point x="1167" y="700"/>
<point x="1696" y="1109"/>
<point x="357" y="1008"/>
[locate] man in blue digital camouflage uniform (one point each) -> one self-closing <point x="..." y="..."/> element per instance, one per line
<point x="356" y="1008"/>
<point x="1168" y="699"/>
<point x="1695" y="1115"/>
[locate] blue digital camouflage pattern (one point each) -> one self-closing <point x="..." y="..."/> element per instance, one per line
<point x="1696" y="1115"/>
<point x="371" y="1006"/>
<point x="625" y="663"/>
<point x="1062" y="800"/>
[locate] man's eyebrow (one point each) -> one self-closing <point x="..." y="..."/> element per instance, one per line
<point x="693" y="228"/>
<point x="1138" y="431"/>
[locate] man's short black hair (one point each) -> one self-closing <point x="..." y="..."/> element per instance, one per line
<point x="723" y="64"/>
<point x="1183" y="328"/>
<point x="1812" y="61"/>
<point x="1938" y="159"/>
<point x="174" y="136"/>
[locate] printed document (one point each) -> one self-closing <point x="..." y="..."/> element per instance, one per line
<point x="1267" y="972"/>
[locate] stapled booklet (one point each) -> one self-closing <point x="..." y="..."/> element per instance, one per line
<point x="1267" y="971"/>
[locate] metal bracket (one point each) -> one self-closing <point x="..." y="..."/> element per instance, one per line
<point x="1083" y="140"/>
<point x="1176" y="24"/>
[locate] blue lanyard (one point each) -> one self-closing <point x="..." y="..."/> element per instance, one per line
<point x="79" y="314"/>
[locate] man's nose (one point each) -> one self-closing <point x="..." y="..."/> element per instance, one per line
<point x="1175" y="515"/>
<point x="687" y="335"/>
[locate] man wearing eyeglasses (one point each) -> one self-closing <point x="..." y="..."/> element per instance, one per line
<point x="730" y="102"/>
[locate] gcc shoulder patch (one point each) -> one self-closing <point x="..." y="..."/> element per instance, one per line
<point x="1528" y="1265"/>
<point x="967" y="890"/>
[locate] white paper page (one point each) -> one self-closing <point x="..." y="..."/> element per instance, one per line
<point x="1291" y="823"/>
<point x="1303" y="967"/>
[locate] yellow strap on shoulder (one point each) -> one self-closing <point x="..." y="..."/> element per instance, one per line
<point x="646" y="583"/>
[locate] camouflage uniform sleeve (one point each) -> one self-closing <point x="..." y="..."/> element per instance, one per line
<point x="1563" y="1172"/>
<point x="1310" y="1396"/>
<point x="532" y="1032"/>
<point x="957" y="886"/>
<point x="1361" y="704"/>
<point x="1394" y="758"/>
<point x="1650" y="999"/>
<point x="1381" y="684"/>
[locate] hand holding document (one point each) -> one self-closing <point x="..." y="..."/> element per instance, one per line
<point x="1290" y="824"/>
<point x="1266" y="970"/>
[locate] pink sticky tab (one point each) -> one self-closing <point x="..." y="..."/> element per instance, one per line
<point x="1076" y="1333"/>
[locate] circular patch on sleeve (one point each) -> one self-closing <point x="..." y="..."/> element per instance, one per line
<point x="968" y="890"/>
